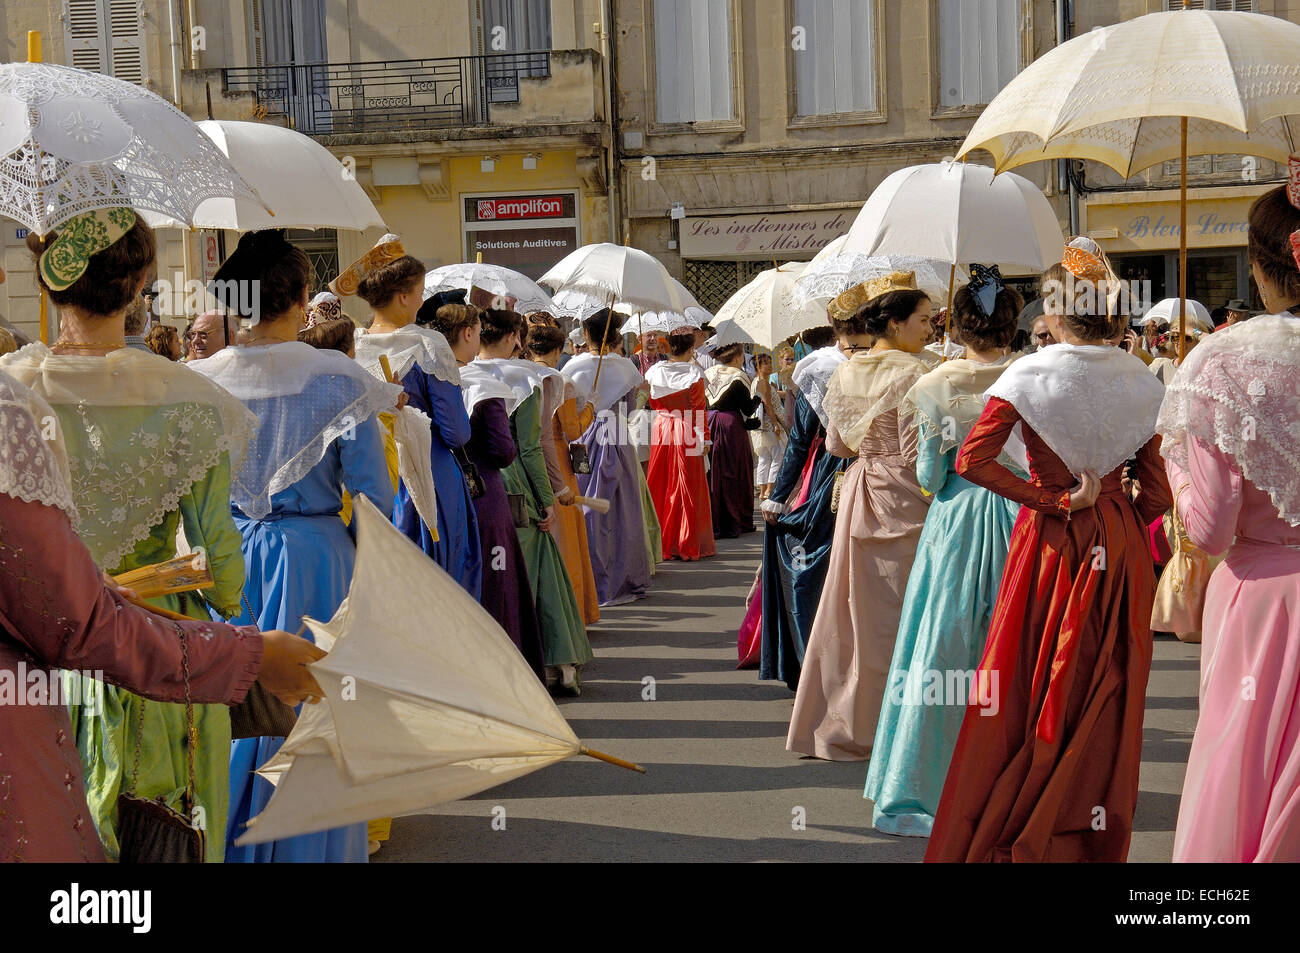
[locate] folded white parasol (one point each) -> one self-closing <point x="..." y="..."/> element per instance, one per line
<point x="426" y="700"/>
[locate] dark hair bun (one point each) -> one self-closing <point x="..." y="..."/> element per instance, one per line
<point x="605" y="323"/>
<point x="498" y="323"/>
<point x="985" y="332"/>
<point x="890" y="306"/>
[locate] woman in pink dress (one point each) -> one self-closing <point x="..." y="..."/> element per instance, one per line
<point x="1230" y="435"/>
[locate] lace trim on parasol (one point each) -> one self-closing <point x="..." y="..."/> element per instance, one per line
<point x="1238" y="391"/>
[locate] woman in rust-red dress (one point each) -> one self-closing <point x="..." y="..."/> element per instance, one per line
<point x="1046" y="765"/>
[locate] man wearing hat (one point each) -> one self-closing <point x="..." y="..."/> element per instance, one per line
<point x="1238" y="311"/>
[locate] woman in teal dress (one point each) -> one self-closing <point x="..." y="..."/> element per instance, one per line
<point x="150" y="446"/>
<point x="318" y="433"/>
<point x="954" y="580"/>
<point x="564" y="637"/>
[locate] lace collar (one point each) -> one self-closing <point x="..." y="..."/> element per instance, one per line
<point x="618" y="375"/>
<point x="813" y="373"/>
<point x="408" y="347"/>
<point x="33" y="462"/>
<point x="669" y="377"/>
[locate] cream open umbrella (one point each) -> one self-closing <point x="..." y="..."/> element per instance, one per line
<point x="625" y="274"/>
<point x="426" y="700"/>
<point x="72" y="141"/>
<point x="1162" y="86"/>
<point x="764" y="311"/>
<point x="311" y="188"/>
<point x="494" y="279"/>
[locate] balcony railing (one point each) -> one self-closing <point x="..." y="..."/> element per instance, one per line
<point x="335" y="98"/>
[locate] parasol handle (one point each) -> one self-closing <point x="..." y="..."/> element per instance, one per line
<point x="156" y="610"/>
<point x="610" y="759"/>
<point x="600" y="358"/>
<point x="388" y="369"/>
<point x="947" y="318"/>
<point x="593" y="503"/>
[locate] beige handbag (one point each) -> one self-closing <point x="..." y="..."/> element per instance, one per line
<point x="1180" y="593"/>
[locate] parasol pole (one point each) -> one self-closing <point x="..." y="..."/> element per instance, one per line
<point x="34" y="56"/>
<point x="610" y="759"/>
<point x="1182" y="242"/>
<point x="947" y="315"/>
<point x="600" y="358"/>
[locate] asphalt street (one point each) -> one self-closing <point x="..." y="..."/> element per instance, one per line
<point x="720" y="785"/>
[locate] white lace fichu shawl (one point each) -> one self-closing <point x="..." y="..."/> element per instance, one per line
<point x="945" y="403"/>
<point x="1239" y="390"/>
<point x="33" y="463"/>
<point x="813" y="373"/>
<point x="618" y="375"/>
<point x="669" y="377"/>
<point x="719" y="377"/>
<point x="866" y="386"/>
<point x="477" y="384"/>
<point x="139" y="432"/>
<point x="406" y="348"/>
<point x="1095" y="406"/>
<point x="524" y="377"/>
<point x="304" y="399"/>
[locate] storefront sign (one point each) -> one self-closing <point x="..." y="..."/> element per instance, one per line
<point x="1135" y="224"/>
<point x="210" y="251"/>
<point x="776" y="235"/>
<point x="526" y="232"/>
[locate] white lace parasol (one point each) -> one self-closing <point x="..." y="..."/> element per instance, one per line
<point x="824" y="280"/>
<point x="72" y="141"/>
<point x="494" y="279"/>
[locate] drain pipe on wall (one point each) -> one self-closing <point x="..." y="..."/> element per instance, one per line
<point x="1065" y="181"/>
<point x="607" y="68"/>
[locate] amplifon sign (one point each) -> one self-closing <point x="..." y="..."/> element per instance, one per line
<point x="518" y="207"/>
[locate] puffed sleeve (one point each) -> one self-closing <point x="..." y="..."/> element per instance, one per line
<point x="932" y="464"/>
<point x="492" y="440"/>
<point x="1208" y="496"/>
<point x="54" y="604"/>
<point x="978" y="461"/>
<point x="205" y="513"/>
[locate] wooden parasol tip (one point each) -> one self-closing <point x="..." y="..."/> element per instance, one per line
<point x="610" y="759"/>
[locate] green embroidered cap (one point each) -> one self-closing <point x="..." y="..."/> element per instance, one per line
<point x="68" y="257"/>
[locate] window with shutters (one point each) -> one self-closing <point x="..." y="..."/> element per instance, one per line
<point x="1239" y="6"/>
<point x="836" y="60"/>
<point x="696" y="73"/>
<point x="107" y="36"/>
<point x="978" y="44"/>
<point x="713" y="282"/>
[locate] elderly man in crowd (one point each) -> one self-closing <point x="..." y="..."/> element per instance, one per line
<point x="207" y="336"/>
<point x="1042" y="334"/>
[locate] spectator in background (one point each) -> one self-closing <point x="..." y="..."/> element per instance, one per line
<point x="650" y="352"/>
<point x="137" y="316"/>
<point x="163" y="340"/>
<point x="1219" y="317"/>
<point x="1238" y="311"/>
<point x="1042" y="334"/>
<point x="207" y="336"/>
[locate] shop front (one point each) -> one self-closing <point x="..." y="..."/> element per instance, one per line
<point x="1139" y="231"/>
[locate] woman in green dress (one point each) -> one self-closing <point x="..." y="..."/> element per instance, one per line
<point x="538" y="393"/>
<point x="150" y="446"/>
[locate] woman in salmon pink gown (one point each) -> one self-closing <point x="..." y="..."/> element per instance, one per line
<point x="678" y="484"/>
<point x="1046" y="762"/>
<point x="1229" y="423"/>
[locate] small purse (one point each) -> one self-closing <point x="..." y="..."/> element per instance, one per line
<point x="473" y="479"/>
<point x="836" y="484"/>
<point x="519" y="510"/>
<point x="260" y="714"/>
<point x="148" y="830"/>
<point x="578" y="458"/>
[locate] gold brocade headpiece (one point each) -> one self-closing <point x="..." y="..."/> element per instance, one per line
<point x="387" y="249"/>
<point x="1084" y="259"/>
<point x="859" y="296"/>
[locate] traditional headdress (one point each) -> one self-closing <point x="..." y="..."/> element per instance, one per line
<point x="326" y="306"/>
<point x="984" y="284"/>
<point x="1084" y="259"/>
<point x="860" y="295"/>
<point x="252" y="257"/>
<point x="387" y="249"/>
<point x="68" y="256"/>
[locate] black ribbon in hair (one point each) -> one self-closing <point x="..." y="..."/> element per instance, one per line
<point x="256" y="253"/>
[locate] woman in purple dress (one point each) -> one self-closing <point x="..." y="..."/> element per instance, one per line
<point x="731" y="459"/>
<point x="506" y="592"/>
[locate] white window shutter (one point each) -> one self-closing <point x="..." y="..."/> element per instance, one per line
<point x="979" y="49"/>
<point x="84" y="29"/>
<point x="835" y="72"/>
<point x="256" y="38"/>
<point x="126" y="34"/>
<point x="692" y="60"/>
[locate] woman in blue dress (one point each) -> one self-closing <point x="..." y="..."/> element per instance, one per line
<point x="318" y="434"/>
<point x="954" y="580"/>
<point x="422" y="360"/>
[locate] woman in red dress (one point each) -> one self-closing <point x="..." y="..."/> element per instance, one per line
<point x="678" y="485"/>
<point x="1046" y="765"/>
